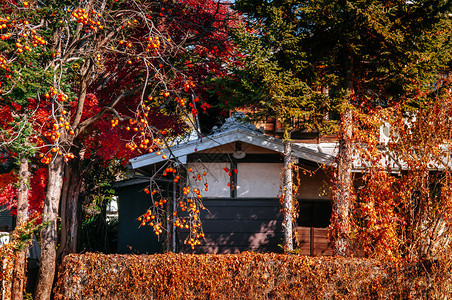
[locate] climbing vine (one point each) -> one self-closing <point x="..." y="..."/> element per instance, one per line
<point x="403" y="206"/>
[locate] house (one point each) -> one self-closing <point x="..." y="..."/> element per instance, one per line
<point x="243" y="169"/>
<point x="7" y="221"/>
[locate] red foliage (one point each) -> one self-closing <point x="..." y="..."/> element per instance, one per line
<point x="145" y="82"/>
<point x="8" y="193"/>
<point x="5" y="116"/>
<point x="36" y="194"/>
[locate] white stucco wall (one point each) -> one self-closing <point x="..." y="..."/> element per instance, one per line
<point x="255" y="180"/>
<point x="216" y="178"/>
<point x="259" y="179"/>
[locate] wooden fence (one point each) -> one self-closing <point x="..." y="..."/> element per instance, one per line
<point x="313" y="241"/>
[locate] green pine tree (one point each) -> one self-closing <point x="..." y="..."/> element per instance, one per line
<point x="366" y="53"/>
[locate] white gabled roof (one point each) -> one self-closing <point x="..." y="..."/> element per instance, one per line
<point x="236" y="133"/>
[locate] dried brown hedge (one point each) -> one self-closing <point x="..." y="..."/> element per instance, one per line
<point x="246" y="276"/>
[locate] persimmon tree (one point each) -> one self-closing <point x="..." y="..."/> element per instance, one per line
<point x="365" y="54"/>
<point x="201" y="33"/>
<point x="74" y="64"/>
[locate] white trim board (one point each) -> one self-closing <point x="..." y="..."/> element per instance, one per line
<point x="234" y="134"/>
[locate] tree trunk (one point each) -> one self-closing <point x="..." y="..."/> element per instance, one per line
<point x="288" y="197"/>
<point x="19" y="277"/>
<point x="343" y="189"/>
<point x="49" y="232"/>
<point x="70" y="210"/>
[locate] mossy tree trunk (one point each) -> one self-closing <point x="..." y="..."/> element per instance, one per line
<point x="49" y="232"/>
<point x="19" y="270"/>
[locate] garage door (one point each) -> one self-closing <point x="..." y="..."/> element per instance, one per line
<point x="236" y="225"/>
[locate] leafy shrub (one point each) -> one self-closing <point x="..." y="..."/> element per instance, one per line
<point x="246" y="276"/>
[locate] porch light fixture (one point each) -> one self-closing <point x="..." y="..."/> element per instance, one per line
<point x="238" y="154"/>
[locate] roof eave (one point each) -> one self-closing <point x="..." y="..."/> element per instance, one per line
<point x="233" y="135"/>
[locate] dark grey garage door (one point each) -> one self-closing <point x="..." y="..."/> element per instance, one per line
<point x="236" y="225"/>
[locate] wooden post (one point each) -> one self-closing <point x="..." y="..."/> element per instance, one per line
<point x="288" y="196"/>
<point x="311" y="242"/>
